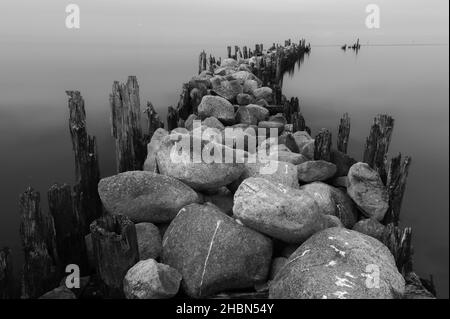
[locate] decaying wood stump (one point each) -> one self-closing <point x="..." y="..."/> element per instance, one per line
<point x="126" y="125"/>
<point x="6" y="274"/>
<point x="40" y="270"/>
<point x="399" y="242"/>
<point x="322" y="145"/>
<point x="153" y="120"/>
<point x="115" y="249"/>
<point x="184" y="107"/>
<point x="69" y="228"/>
<point x="172" y="118"/>
<point x="343" y="134"/>
<point x="87" y="171"/>
<point x="377" y="144"/>
<point x="396" y="184"/>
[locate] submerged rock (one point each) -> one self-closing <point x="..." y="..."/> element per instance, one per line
<point x="149" y="279"/>
<point x="214" y="253"/>
<point x="315" y="171"/>
<point x="217" y="107"/>
<point x="145" y="196"/>
<point x="334" y="202"/>
<point x="149" y="241"/>
<point x="337" y="263"/>
<point x="279" y="211"/>
<point x="368" y="191"/>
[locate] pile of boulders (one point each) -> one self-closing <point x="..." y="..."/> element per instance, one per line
<point x="305" y="229"/>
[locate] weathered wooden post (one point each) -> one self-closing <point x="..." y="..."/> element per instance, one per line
<point x="115" y="249"/>
<point x="322" y="145"/>
<point x="343" y="134"/>
<point x="126" y="125"/>
<point x="87" y="172"/>
<point x="69" y="228"/>
<point x="6" y="274"/>
<point x="396" y="184"/>
<point x="244" y="49"/>
<point x="172" y="118"/>
<point x="184" y="107"/>
<point x="229" y="52"/>
<point x="377" y="144"/>
<point x="40" y="270"/>
<point x="399" y="243"/>
<point x="153" y="120"/>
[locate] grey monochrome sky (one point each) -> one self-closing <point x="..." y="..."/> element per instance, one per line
<point x="188" y="21"/>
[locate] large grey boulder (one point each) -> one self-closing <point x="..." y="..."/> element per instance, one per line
<point x="217" y="107"/>
<point x="263" y="93"/>
<point x="183" y="157"/>
<point x="229" y="63"/>
<point x="333" y="201"/>
<point x="244" y="99"/>
<point x="337" y="263"/>
<point x="250" y="86"/>
<point x="279" y="211"/>
<point x="315" y="171"/>
<point x="215" y="253"/>
<point x="212" y="122"/>
<point x="251" y="114"/>
<point x="149" y="279"/>
<point x="227" y="89"/>
<point x="149" y="241"/>
<point x="145" y="196"/>
<point x="302" y="138"/>
<point x="368" y="191"/>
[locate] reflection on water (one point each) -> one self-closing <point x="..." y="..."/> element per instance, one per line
<point x="410" y="83"/>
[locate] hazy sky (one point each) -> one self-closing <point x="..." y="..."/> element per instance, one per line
<point x="187" y="21"/>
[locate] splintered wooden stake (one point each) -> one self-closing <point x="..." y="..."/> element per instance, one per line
<point x="87" y="171"/>
<point x="40" y="270"/>
<point x="116" y="250"/>
<point x="153" y="120"/>
<point x="6" y="274"/>
<point x="377" y="144"/>
<point x="322" y="146"/>
<point x="343" y="134"/>
<point x="396" y="185"/>
<point x="69" y="228"/>
<point x="126" y="125"/>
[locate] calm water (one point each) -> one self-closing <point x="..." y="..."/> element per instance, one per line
<point x="401" y="82"/>
<point x="35" y="142"/>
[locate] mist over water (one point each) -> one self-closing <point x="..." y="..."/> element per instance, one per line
<point x="159" y="42"/>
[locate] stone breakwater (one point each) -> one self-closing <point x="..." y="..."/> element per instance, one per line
<point x="285" y="216"/>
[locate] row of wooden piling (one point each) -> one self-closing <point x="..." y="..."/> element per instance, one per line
<point x="51" y="240"/>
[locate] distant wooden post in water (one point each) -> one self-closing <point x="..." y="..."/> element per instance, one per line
<point x="40" y="270"/>
<point x="116" y="250"/>
<point x="126" y="125"/>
